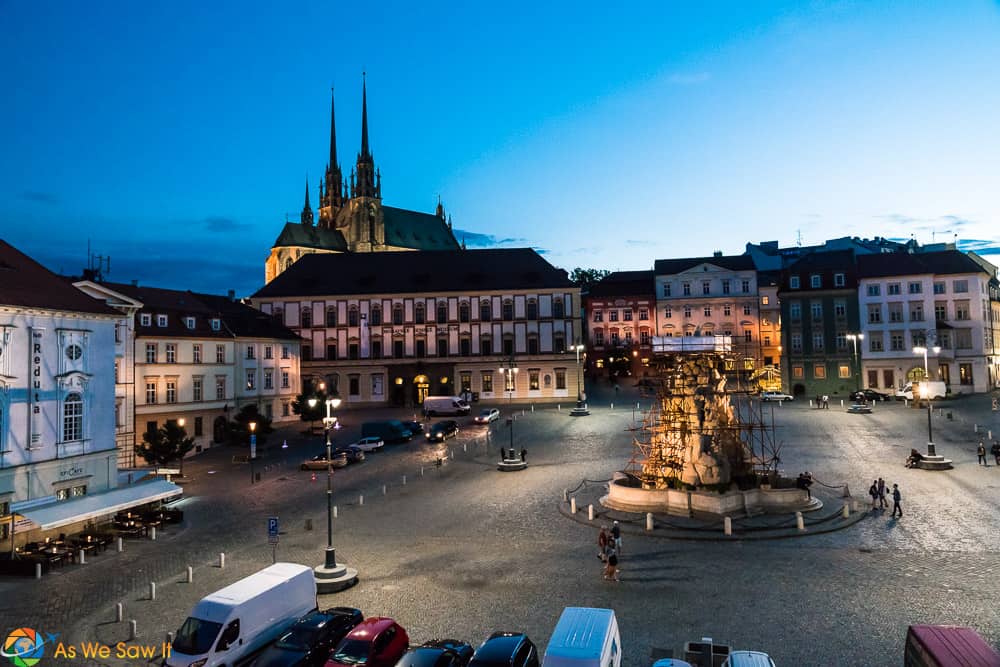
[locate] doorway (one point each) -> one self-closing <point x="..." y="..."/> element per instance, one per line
<point x="423" y="386"/>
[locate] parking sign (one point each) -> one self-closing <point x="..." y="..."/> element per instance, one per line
<point x="272" y="530"/>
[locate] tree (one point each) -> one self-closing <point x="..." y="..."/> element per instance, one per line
<point x="301" y="407"/>
<point x="238" y="430"/>
<point x="585" y="278"/>
<point x="164" y="445"/>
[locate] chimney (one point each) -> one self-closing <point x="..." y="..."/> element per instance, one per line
<point x="232" y="295"/>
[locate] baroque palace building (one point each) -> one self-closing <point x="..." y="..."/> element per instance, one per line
<point x="352" y="217"/>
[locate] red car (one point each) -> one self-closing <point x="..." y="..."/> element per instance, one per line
<point x="375" y="642"/>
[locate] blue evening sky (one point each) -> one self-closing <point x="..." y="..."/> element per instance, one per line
<point x="175" y="136"/>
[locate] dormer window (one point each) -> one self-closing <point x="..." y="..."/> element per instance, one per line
<point x="145" y="319"/>
<point x="815" y="281"/>
<point x="216" y="324"/>
<point x="793" y="282"/>
<point x="161" y="321"/>
<point x="189" y="322"/>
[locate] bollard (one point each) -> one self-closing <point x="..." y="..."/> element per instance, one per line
<point x="841" y="402"/>
<point x="565" y="495"/>
<point x="572" y="505"/>
<point x="38" y="570"/>
<point x="612" y="406"/>
<point x="558" y="407"/>
<point x="590" y="512"/>
<point x="404" y="480"/>
<point x="975" y="428"/>
<point x="133" y="631"/>
<point x="170" y="638"/>
<point x="451" y="453"/>
<point x="152" y="590"/>
<point x="190" y="573"/>
<point x="465" y="446"/>
<point x="854" y="504"/>
<point x="522" y="412"/>
<point x="649" y="521"/>
<point x="846" y="512"/>
<point x="383" y="489"/>
<point x="334" y="511"/>
<point x="781" y="404"/>
<point x="637" y="406"/>
<point x="810" y="402"/>
<point x="906" y="403"/>
<point x="361" y="499"/>
<point x="82" y="557"/>
<point x="421" y="471"/>
<point x="727" y="525"/>
<point x="532" y="407"/>
<point x="152" y="533"/>
<point x="222" y="560"/>
<point x="989" y="435"/>
<point x="121" y="545"/>
<point x="847" y="492"/>
<point x="119" y="612"/>
<point x="799" y="521"/>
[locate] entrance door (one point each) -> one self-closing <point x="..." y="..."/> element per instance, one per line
<point x="888" y="378"/>
<point x="423" y="388"/>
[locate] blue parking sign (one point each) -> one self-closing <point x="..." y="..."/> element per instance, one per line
<point x="272" y="529"/>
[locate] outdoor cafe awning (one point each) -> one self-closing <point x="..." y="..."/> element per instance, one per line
<point x="100" y="505"/>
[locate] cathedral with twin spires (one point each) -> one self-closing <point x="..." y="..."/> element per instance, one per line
<point x="352" y="217"/>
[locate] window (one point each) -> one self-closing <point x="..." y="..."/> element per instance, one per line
<point x="643" y="314"/>
<point x="839" y="280"/>
<point x="745" y="286"/>
<point x="795" y="311"/>
<point x="963" y="339"/>
<point x="375" y="349"/>
<point x="73" y="417"/>
<point x="961" y="310"/>
<point x="196" y="353"/>
<point x="706" y="287"/>
<point x="895" y="312"/>
<point x="196" y="389"/>
<point x="627" y="314"/>
<point x="307" y="318"/>
<point x="150" y="392"/>
<point x="939" y="287"/>
<point x="747" y="309"/>
<point x="375" y="315"/>
<point x="599" y="337"/>
<point x="421" y="348"/>
<point x="465" y="381"/>
<point x="268" y="378"/>
<point x="896" y="341"/>
<point x="533" y="383"/>
<point x="944" y="340"/>
<point x="796" y="339"/>
<point x="442" y="312"/>
<point x="916" y="311"/>
<point x="419" y="313"/>
<point x="251" y="378"/>
<point x="532" y="344"/>
<point x="748" y="335"/>
<point x="965" y="374"/>
<point x="117" y="378"/>
<point x="843" y="371"/>
<point x="284" y="351"/>
<point x="687" y="311"/>
<point x="940" y="311"/>
<point x="251" y="352"/>
<point x="285" y="380"/>
<point x="354" y="385"/>
<point x="442" y="347"/>
<point x="818" y="345"/>
<point x="644" y="337"/>
<point x="398" y="349"/>
<point x="815" y="281"/>
<point x="686" y="289"/>
<point x="668" y="312"/>
<point x="150" y="353"/>
<point x="612" y="316"/>
<point x="171" y="391"/>
<point x="841" y="341"/>
<point x="666" y="289"/>
<point x="628" y="337"/>
<point x="793" y="282"/>
<point x="509" y="382"/>
<point x="145" y="319"/>
<point x="707" y="310"/>
<point x="331" y="316"/>
<point x="765" y="300"/>
<point x="893" y="289"/>
<point x="508" y="310"/>
<point x="874" y="313"/>
<point x="216" y="324"/>
<point x="199" y="428"/>
<point x="917" y="338"/>
<point x="307" y="353"/>
<point x="875" y="343"/>
<point x="725" y="286"/>
<point x="161" y="320"/>
<point x="378" y="384"/>
<point x="353" y="316"/>
<point x="840" y="309"/>
<point x="508" y="346"/>
<point x="560" y="378"/>
<point x="352" y="351"/>
<point x="485" y="311"/>
<point x="874" y="290"/>
<point x="463" y="311"/>
<point x="915" y="288"/>
<point x="557" y="308"/>
<point x="220" y="388"/>
<point x="727" y="310"/>
<point x="598" y="315"/>
<point x="220" y="354"/>
<point x="798" y="371"/>
<point x="486" y="379"/>
<point x="819" y="371"/>
<point x="279" y="314"/>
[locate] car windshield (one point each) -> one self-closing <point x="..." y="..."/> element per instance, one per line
<point x="196" y="636"/>
<point x="352" y="652"/>
<point x="297" y="639"/>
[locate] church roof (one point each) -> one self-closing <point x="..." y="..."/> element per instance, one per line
<point x="307" y="236"/>
<point x="26" y="283"/>
<point x="406" y="272"/>
<point x="420" y="231"/>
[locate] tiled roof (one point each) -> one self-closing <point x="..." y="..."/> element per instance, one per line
<point x="664" y="267"/>
<point x="624" y="283"/>
<point x="826" y="264"/>
<point x="424" y="272"/>
<point x="421" y="231"/>
<point x="905" y="264"/>
<point x="247" y="321"/>
<point x="307" y="236"/>
<point x="26" y="283"/>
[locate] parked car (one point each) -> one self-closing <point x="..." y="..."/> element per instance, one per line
<point x="318" y="462"/>
<point x="869" y="395"/>
<point x="414" y="427"/>
<point x="774" y="396"/>
<point x="353" y="453"/>
<point x="443" y="430"/>
<point x="375" y="642"/>
<point x="748" y="659"/>
<point x="308" y="643"/>
<point x="370" y="444"/>
<point x="438" y="653"/>
<point x="446" y="405"/>
<point x="584" y="637"/>
<point x="506" y="649"/>
<point x="487" y="415"/>
<point x="390" y="430"/>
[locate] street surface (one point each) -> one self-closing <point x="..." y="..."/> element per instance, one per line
<point x="465" y="550"/>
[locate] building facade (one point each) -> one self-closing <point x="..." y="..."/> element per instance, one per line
<point x="819" y="311"/>
<point x="392" y="328"/>
<point x="718" y="295"/>
<point x="770" y="374"/>
<point x="936" y="300"/>
<point x="620" y="318"/>
<point x="352" y="217"/>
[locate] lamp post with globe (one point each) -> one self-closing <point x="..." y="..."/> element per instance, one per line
<point x="581" y="398"/>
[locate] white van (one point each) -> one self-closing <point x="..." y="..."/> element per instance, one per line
<point x="231" y="625"/>
<point x="748" y="659"/>
<point x="445" y="405"/>
<point x="584" y="637"/>
<point x="935" y="389"/>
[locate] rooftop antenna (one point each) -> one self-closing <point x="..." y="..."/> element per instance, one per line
<point x="798" y="237"/>
<point x="97" y="265"/>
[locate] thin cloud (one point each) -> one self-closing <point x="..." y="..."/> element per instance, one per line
<point x="980" y="246"/>
<point x="477" y="240"/>
<point x="39" y="197"/>
<point x="218" y="224"/>
<point x="688" y="78"/>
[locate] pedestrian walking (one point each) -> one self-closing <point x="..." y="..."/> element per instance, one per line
<point x="611" y="571"/>
<point x="896" y="497"/>
<point x="981" y="453"/>
<point x="826" y="402"/>
<point x="524" y="455"/>
<point x="602" y="543"/>
<point x="882" y="504"/>
<point x="616" y="534"/>
<point x="995" y="450"/>
<point x="873" y="492"/>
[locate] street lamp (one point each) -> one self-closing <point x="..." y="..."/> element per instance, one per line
<point x="331" y="577"/>
<point x="854" y="338"/>
<point x="509" y="373"/>
<point x="253" y="447"/>
<point x="581" y="398"/>
<point x="926" y="395"/>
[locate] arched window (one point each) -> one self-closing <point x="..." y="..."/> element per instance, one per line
<point x="485" y="311"/>
<point x="463" y="311"/>
<point x="442" y="312"/>
<point x="288" y="263"/>
<point x="485" y="345"/>
<point x="397" y="313"/>
<point x="557" y="308"/>
<point x="279" y="314"/>
<point x="307" y="317"/>
<point x="418" y="313"/>
<point x="73" y="417"/>
<point x="331" y="316"/>
<point x="352" y="316"/>
<point x="532" y="343"/>
<point x="533" y="309"/>
<point x="508" y="309"/>
<point x="375" y="316"/>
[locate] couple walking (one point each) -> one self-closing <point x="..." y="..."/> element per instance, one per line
<point x="609" y="544"/>
<point x="877" y="493"/>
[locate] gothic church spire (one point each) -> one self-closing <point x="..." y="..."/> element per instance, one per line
<point x="366" y="185"/>
<point x="307" y="212"/>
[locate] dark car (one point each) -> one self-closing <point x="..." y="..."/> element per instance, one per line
<point x="443" y="430"/>
<point x="506" y="649"/>
<point x="437" y="653"/>
<point x="309" y="641"/>
<point x="869" y="395"/>
<point x="353" y="453"/>
<point x="414" y="427"/>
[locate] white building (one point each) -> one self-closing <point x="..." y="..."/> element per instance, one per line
<point x="928" y="299"/>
